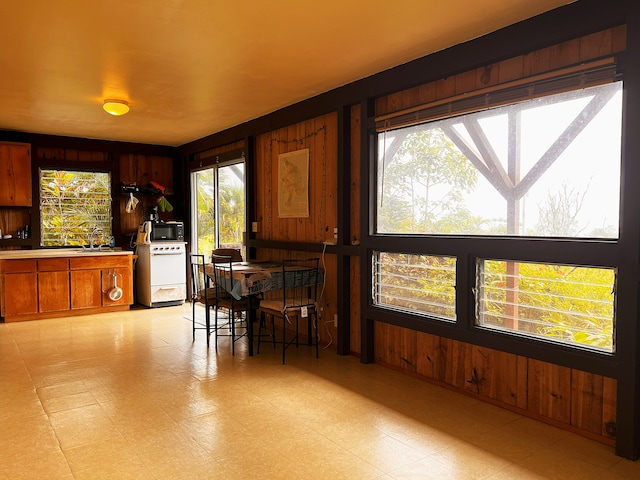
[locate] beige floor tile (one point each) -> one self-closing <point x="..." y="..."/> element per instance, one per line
<point x="387" y="453"/>
<point x="128" y="395"/>
<point x="626" y="468"/>
<point x="83" y="425"/>
<point x="33" y="463"/>
<point x="113" y="454"/>
<point x="28" y="434"/>
<point x="586" y="450"/>
<point x="67" y="402"/>
<point x="554" y="464"/>
<point x="428" y="468"/>
<point x="470" y="461"/>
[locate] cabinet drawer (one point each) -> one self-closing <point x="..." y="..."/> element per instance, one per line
<point x="16" y="266"/>
<point x="88" y="262"/>
<point x="53" y="264"/>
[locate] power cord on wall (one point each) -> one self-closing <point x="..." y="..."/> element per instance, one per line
<point x="324" y="283"/>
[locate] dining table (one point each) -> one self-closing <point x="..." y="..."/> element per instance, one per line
<point x="250" y="279"/>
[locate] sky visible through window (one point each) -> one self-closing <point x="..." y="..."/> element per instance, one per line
<point x="583" y="182"/>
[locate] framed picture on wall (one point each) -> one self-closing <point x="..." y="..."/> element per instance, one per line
<point x="293" y="184"/>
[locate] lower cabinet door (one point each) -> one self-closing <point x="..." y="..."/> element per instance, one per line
<point x="20" y="294"/>
<point x="117" y="287"/>
<point x="85" y="289"/>
<point x="53" y="291"/>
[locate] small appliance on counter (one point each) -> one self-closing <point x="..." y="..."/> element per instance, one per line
<point x="158" y="231"/>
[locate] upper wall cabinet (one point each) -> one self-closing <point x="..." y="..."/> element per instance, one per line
<point x="15" y="174"/>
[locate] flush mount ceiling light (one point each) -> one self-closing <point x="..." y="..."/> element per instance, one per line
<point x="115" y="107"/>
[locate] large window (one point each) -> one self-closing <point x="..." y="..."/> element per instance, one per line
<point x="547" y="167"/>
<point x="75" y="208"/>
<point x="218" y="207"/>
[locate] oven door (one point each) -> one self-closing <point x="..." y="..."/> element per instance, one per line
<point x="167" y="268"/>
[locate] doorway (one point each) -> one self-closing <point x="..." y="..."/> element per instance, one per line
<point x="218" y="207"/>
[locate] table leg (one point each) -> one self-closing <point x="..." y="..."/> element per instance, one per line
<point x="251" y="317"/>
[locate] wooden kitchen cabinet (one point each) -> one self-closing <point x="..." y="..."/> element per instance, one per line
<point x="124" y="277"/>
<point x="85" y="289"/>
<point x="53" y="284"/>
<point x="15" y="174"/>
<point x="19" y="292"/>
<point x="75" y="284"/>
<point x="92" y="279"/>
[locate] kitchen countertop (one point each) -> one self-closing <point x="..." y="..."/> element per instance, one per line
<point x="59" y="252"/>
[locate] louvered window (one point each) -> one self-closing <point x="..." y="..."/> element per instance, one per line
<point x="422" y="284"/>
<point x="561" y="303"/>
<point x="75" y="207"/>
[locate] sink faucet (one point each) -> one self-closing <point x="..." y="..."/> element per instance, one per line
<point x="92" y="237"/>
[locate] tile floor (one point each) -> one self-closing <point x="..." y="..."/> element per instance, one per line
<point x="129" y="396"/>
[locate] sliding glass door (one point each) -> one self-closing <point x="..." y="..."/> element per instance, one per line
<point x="218" y="207"/>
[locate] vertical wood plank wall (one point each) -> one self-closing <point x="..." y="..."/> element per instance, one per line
<point x="571" y="398"/>
<point x="142" y="169"/>
<point x="565" y="397"/>
<point x="320" y="136"/>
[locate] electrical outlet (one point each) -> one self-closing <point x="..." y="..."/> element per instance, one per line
<point x="335" y="320"/>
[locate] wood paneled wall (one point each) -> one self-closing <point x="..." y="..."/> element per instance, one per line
<point x="567" y="397"/>
<point x="571" y="52"/>
<point x="319" y="135"/>
<point x="142" y="169"/>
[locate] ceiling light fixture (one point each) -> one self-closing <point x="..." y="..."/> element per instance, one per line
<point x="115" y="107"/>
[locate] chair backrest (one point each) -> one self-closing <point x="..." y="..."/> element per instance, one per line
<point x="300" y="282"/>
<point x="222" y="271"/>
<point x="198" y="278"/>
<point x="234" y="253"/>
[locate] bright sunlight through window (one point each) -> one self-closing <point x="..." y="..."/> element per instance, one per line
<point x="561" y="303"/>
<point x="548" y="167"/>
<point x="75" y="208"/>
<point x="422" y="284"/>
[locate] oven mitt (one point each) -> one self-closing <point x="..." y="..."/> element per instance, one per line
<point x="164" y="204"/>
<point x="158" y="186"/>
<point x="132" y="203"/>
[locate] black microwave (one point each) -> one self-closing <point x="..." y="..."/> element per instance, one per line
<point x="165" y="232"/>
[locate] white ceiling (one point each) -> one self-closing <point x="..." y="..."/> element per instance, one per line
<point x="190" y="68"/>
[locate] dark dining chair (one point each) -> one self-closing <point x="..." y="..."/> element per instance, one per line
<point x="223" y="275"/>
<point x="297" y="299"/>
<point x="234" y="253"/>
<point x="201" y="292"/>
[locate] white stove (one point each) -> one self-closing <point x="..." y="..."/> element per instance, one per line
<point x="161" y="275"/>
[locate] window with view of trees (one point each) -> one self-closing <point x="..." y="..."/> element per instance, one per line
<point x="422" y="284"/>
<point x="566" y="303"/>
<point x="218" y="199"/>
<point x="75" y="207"/>
<point x="547" y="167"/>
